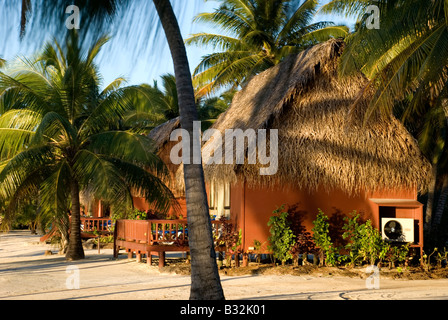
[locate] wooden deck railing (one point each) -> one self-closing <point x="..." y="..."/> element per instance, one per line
<point x="159" y="236"/>
<point x="153" y="232"/>
<point x="101" y="225"/>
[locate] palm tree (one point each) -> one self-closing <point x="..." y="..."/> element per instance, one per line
<point x="406" y="62"/>
<point x="210" y="108"/>
<point x="61" y="134"/>
<point x="205" y="280"/>
<point x="162" y="103"/>
<point x="167" y="98"/>
<point x="97" y="15"/>
<point x="256" y="35"/>
<point x="149" y="110"/>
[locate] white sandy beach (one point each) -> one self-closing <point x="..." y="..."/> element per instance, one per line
<point x="27" y="274"/>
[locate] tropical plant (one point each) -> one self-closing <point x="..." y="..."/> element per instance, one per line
<point x="147" y="112"/>
<point x="303" y="243"/>
<point x="60" y="135"/>
<point x="281" y="239"/>
<point x="97" y="15"/>
<point x="210" y="108"/>
<point x="256" y="35"/>
<point x="352" y="233"/>
<point x="425" y="260"/>
<point x="258" y="249"/>
<point x="371" y="245"/>
<point x="442" y="257"/>
<point x="162" y="104"/>
<point x="323" y="240"/>
<point x="166" y="96"/>
<point x="397" y="253"/>
<point x="27" y="216"/>
<point x="228" y="237"/>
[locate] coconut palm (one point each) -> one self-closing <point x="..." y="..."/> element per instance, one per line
<point x="210" y="108"/>
<point x="256" y="35"/>
<point x="406" y="57"/>
<point x="168" y="98"/>
<point x="97" y="15"/>
<point x="205" y="280"/>
<point x="162" y="103"/>
<point x="148" y="112"/>
<point x="61" y="134"/>
<point x="406" y="61"/>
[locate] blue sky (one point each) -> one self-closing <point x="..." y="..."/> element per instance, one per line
<point x="148" y="67"/>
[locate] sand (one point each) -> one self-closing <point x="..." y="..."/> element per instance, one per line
<point x="27" y="274"/>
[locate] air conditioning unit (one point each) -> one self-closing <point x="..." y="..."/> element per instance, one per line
<point x="397" y="229"/>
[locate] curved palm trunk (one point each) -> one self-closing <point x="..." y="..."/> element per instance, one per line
<point x="440" y="206"/>
<point x="75" y="250"/>
<point x="205" y="280"/>
<point x="430" y="201"/>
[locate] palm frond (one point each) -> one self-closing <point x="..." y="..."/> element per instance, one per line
<point x="127" y="146"/>
<point x="111" y="109"/>
<point x="324" y="34"/>
<point x="17" y="129"/>
<point x="16" y="170"/>
<point x="114" y="85"/>
<point x="53" y="127"/>
<point x="146" y="184"/>
<point x="54" y="194"/>
<point x="300" y="19"/>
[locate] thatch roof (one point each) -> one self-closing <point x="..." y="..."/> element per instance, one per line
<point x="321" y="142"/>
<point x="161" y="134"/>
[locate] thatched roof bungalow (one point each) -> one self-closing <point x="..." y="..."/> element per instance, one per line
<point x="327" y="158"/>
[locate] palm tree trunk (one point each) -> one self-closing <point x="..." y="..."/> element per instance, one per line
<point x="205" y="280"/>
<point x="75" y="250"/>
<point x="440" y="205"/>
<point x="430" y="201"/>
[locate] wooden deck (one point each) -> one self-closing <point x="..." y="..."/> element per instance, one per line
<point x="90" y="227"/>
<point x="152" y="237"/>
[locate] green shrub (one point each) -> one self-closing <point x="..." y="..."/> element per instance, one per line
<point x="372" y="246"/>
<point x="322" y="240"/>
<point x="352" y="233"/>
<point x="366" y="245"/>
<point x="365" y="242"/>
<point x="137" y="215"/>
<point x="281" y="239"/>
<point x="397" y="253"/>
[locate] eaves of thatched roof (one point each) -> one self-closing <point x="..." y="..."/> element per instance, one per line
<point x="161" y="134"/>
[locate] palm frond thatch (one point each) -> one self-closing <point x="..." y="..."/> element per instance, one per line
<point x="161" y="134"/>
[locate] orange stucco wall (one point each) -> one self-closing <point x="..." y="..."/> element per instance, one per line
<point x="252" y="208"/>
<point x="141" y="204"/>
